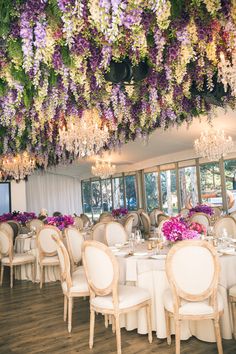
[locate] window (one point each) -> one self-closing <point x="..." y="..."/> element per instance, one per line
<point x="131" y="192"/>
<point x="118" y="192"/>
<point x="5" y="198"/>
<point x="169" y="192"/>
<point x="106" y="194"/>
<point x="86" y="195"/>
<point x="210" y="183"/>
<point x="188" y="186"/>
<point x="96" y="199"/>
<point x="151" y="190"/>
<point x="230" y="180"/>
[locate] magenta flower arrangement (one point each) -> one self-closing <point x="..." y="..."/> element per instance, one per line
<point x="54" y="56"/>
<point x="61" y="222"/>
<point x="201" y="208"/>
<point x="21" y="217"/>
<point x="117" y="213"/>
<point x="177" y="229"/>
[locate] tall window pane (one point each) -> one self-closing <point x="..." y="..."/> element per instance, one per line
<point x="106" y="195"/>
<point x="188" y="186"/>
<point x="169" y="192"/>
<point x="151" y="190"/>
<point x="118" y="192"/>
<point x="131" y="192"/>
<point x="86" y="193"/>
<point x="4" y="198"/>
<point x="230" y="179"/>
<point x="211" y="183"/>
<point x="96" y="199"/>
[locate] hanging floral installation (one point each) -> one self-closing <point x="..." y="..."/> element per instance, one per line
<point x="55" y="54"/>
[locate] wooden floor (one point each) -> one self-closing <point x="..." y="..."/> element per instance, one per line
<point x="31" y="322"/>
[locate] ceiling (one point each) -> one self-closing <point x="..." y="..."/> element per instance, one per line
<point x="163" y="147"/>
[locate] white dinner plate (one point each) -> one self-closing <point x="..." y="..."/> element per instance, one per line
<point x="159" y="256"/>
<point x="140" y="254"/>
<point x="229" y="251"/>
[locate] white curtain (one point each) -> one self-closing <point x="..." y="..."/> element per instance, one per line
<point x="54" y="193"/>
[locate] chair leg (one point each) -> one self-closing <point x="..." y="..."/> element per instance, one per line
<point x="113" y="324"/>
<point x="149" y="322"/>
<point x="65" y="307"/>
<point x="106" y="320"/>
<point x="168" y="335"/>
<point x="118" y="337"/>
<point x="2" y="270"/>
<point x="91" y="330"/>
<point x="41" y="277"/>
<point x="69" y="314"/>
<point x="177" y="337"/>
<point x="232" y="305"/>
<point x="11" y="276"/>
<point x="33" y="272"/>
<point x="218" y="336"/>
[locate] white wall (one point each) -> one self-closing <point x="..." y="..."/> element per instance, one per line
<point x="18" y="196"/>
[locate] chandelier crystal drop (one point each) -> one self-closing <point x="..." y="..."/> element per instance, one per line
<point x="84" y="136"/>
<point x="213" y="145"/>
<point x="103" y="169"/>
<point x="227" y="72"/>
<point x="18" y="166"/>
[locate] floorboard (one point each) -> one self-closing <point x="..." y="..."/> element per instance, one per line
<point x="31" y="322"/>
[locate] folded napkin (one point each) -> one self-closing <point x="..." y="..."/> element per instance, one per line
<point x="230" y="251"/>
<point x="159" y="256"/>
<point x="140" y="254"/>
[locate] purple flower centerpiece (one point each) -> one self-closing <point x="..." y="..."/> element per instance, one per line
<point x="201" y="208"/>
<point x="61" y="222"/>
<point x="177" y="229"/>
<point x="22" y="218"/>
<point x="118" y="213"/>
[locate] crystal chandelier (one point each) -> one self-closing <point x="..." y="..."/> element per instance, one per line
<point x="84" y="136"/>
<point x="103" y="169"/>
<point x="227" y="72"/>
<point x="213" y="145"/>
<point x="18" y="166"/>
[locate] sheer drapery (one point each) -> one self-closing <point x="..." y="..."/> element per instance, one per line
<point x="54" y="193"/>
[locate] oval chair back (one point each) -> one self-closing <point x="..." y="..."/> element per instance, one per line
<point x="115" y="233"/>
<point x="36" y="225"/>
<point x="78" y="222"/>
<point x="7" y="228"/>
<point x="46" y="245"/>
<point x="74" y="240"/>
<point x="98" y="232"/>
<point x="225" y="226"/>
<point x="146" y="223"/>
<point x="201" y="218"/>
<point x="128" y="225"/>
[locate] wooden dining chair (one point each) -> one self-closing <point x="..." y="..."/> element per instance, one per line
<point x="106" y="296"/>
<point x="4" y="226"/>
<point x="11" y="259"/>
<point x="192" y="268"/>
<point x="47" y="249"/>
<point x="232" y="300"/>
<point x="73" y="284"/>
<point x="128" y="225"/>
<point x="226" y="225"/>
<point x="78" y="222"/>
<point x="35" y="225"/>
<point x="86" y="220"/>
<point x="146" y="224"/>
<point x="201" y="218"/>
<point x="74" y="241"/>
<point x="115" y="233"/>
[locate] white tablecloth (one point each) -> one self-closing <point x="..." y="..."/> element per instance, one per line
<point x="150" y="274"/>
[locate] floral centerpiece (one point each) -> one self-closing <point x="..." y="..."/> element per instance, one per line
<point x="61" y="222"/>
<point x="177" y="229"/>
<point x="118" y="213"/>
<point x="201" y="208"/>
<point x="21" y="217"/>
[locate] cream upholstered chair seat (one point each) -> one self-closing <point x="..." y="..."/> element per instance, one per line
<point x="54" y="260"/>
<point x="191" y="307"/>
<point x="232" y="291"/>
<point x="19" y="258"/>
<point x="79" y="284"/>
<point x="127" y="296"/>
